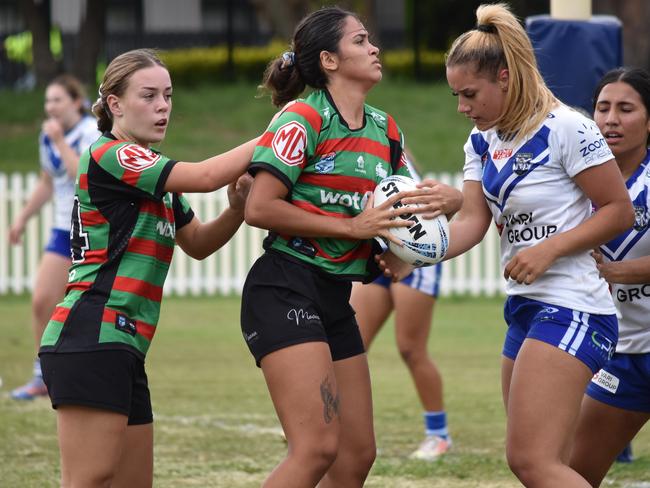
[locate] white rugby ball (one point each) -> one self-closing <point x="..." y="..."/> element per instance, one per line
<point x="426" y="241"/>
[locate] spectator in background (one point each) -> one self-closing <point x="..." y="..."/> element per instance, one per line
<point x="67" y="131"/>
<point x="617" y="403"/>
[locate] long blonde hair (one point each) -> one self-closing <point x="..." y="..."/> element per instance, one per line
<point x="498" y="42"/>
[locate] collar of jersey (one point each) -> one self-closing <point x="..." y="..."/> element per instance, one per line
<point x="342" y="121"/>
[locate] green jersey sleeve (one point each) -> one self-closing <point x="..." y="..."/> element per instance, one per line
<point x="288" y="143"/>
<point x="142" y="172"/>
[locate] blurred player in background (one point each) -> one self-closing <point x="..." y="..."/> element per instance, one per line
<point x="413" y="300"/>
<point x="67" y="131"/>
<point x="128" y="214"/>
<point x="617" y="403"/>
<point x="535" y="166"/>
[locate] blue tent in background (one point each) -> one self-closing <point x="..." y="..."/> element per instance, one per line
<point x="574" y="54"/>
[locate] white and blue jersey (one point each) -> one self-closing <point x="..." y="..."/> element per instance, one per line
<point x="529" y="188"/>
<point x="633" y="301"/>
<point x="79" y="138"/>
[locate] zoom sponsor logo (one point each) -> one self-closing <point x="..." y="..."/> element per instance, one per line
<point x="593" y="144"/>
<point x="301" y="316"/>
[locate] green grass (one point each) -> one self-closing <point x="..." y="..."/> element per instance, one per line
<point x="215" y="425"/>
<point x="210" y="119"/>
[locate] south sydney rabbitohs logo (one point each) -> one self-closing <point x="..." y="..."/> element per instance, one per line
<point x="522" y="163"/>
<point x="136" y="158"/>
<point x="289" y="143"/>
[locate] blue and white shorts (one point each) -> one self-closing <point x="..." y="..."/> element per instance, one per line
<point x="624" y="382"/>
<point x="426" y="280"/>
<point x="589" y="337"/>
<point x="59" y="243"/>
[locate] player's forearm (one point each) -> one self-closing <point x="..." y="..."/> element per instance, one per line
<point x="211" y="236"/>
<point x="69" y="157"/>
<point x="285" y="218"/>
<point x="628" y="272"/>
<point x="42" y="193"/>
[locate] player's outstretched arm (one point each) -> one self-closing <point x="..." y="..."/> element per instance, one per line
<point x="199" y="240"/>
<point x="437" y="198"/>
<point x="42" y="193"/>
<point x="213" y="173"/>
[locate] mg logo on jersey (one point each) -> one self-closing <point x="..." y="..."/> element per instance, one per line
<point x="522" y="163"/>
<point x="165" y="229"/>
<point x="136" y="158"/>
<point x="289" y="143"/>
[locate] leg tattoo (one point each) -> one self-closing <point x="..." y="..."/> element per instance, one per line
<point x="330" y="402"/>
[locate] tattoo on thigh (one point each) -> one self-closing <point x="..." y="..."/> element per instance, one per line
<point x="330" y="401"/>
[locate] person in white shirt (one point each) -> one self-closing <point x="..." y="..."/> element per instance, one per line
<point x="617" y="400"/>
<point x="66" y="132"/>
<point x="533" y="166"/>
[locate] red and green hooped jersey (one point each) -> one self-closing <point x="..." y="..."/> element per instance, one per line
<point x="122" y="239"/>
<point x="331" y="170"/>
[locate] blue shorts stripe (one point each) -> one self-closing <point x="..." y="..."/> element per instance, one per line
<point x="591" y="338"/>
<point x="575" y="345"/>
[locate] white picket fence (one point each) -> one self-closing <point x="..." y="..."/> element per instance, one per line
<point x="223" y="273"/>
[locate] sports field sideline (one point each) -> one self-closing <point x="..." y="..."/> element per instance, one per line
<point x="215" y="425"/>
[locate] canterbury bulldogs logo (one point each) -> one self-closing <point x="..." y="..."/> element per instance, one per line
<point x="326" y="163"/>
<point x="641" y="217"/>
<point x="522" y="163"/>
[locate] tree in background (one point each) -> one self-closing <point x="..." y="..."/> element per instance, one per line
<point x="635" y="15"/>
<point x="89" y="41"/>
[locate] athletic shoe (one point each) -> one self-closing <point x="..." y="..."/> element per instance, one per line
<point x="432" y="448"/>
<point x="31" y="390"/>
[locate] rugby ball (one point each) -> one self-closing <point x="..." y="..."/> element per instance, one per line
<point x="426" y="241"/>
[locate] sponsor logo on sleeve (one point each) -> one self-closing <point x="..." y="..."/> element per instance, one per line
<point x="592" y="143"/>
<point x="289" y="143"/>
<point x="136" y="158"/>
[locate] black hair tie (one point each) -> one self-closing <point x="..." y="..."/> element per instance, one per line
<point x="489" y="28"/>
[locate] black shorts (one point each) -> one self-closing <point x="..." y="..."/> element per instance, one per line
<point x="286" y="303"/>
<point x="109" y="380"/>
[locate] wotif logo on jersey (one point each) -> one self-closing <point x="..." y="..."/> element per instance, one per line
<point x="166" y="229"/>
<point x="289" y="143"/>
<point x="354" y="200"/>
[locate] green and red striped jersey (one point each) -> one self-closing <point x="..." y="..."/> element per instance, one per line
<point x="331" y="170"/>
<point x="122" y="239"/>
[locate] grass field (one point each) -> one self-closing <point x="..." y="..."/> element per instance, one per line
<point x="215" y="425"/>
<point x="210" y="119"/>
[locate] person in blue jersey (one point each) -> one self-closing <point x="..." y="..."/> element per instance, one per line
<point x="67" y="131"/>
<point x="535" y="166"/>
<point x="617" y="403"/>
<point x="412" y="299"/>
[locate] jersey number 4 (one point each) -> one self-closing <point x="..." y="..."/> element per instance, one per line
<point x="78" y="238"/>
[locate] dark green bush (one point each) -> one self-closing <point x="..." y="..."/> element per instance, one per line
<point x="209" y="64"/>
